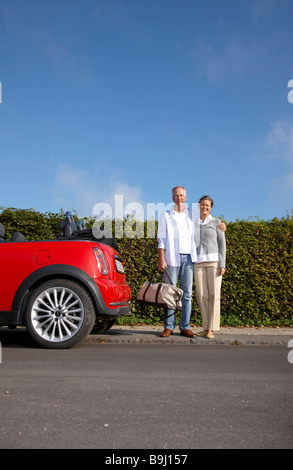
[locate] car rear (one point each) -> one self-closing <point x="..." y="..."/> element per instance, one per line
<point x="46" y="272"/>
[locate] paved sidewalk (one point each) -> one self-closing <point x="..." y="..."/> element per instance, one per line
<point x="148" y="334"/>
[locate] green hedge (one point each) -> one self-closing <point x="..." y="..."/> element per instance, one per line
<point x="34" y="225"/>
<point x="257" y="287"/>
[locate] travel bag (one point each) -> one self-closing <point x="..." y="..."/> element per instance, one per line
<point x="161" y="294"/>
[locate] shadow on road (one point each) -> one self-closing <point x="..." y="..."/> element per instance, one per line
<point x="16" y="338"/>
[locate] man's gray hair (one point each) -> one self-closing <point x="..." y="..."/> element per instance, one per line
<point x="176" y="187"/>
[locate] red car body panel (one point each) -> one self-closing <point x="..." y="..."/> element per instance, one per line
<point x="24" y="264"/>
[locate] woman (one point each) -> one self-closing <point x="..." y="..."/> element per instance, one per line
<point x="210" y="267"/>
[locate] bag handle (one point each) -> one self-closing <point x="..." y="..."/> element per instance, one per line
<point x="168" y="276"/>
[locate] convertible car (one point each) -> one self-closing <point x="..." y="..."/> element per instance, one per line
<point x="63" y="289"/>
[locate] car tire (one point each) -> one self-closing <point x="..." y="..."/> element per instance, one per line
<point x="101" y="326"/>
<point x="59" y="314"/>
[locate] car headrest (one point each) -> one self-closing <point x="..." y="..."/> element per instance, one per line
<point x="2" y="230"/>
<point x="69" y="229"/>
<point x="80" y="226"/>
<point x="68" y="226"/>
<point x="17" y="237"/>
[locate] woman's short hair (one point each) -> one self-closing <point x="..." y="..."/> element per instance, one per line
<point x="208" y="198"/>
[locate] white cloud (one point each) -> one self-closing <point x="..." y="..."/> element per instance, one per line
<point x="262" y="8"/>
<point x="73" y="189"/>
<point x="231" y="57"/>
<point x="81" y="190"/>
<point x="277" y="147"/>
<point x="279" y="142"/>
<point x="43" y="33"/>
<point x="284" y="184"/>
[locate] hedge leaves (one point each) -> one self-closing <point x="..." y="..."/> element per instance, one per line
<point x="257" y="287"/>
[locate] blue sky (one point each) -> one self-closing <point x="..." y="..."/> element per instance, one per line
<point x="133" y="97"/>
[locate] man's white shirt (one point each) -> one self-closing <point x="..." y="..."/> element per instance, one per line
<point x="176" y="235"/>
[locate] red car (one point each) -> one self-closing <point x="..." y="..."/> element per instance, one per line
<point x="63" y="289"/>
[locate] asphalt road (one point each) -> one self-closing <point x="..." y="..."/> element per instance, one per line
<point x="138" y="396"/>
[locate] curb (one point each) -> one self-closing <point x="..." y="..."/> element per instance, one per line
<point x="227" y="336"/>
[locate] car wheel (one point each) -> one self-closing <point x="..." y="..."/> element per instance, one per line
<point x="59" y="314"/>
<point x="101" y="326"/>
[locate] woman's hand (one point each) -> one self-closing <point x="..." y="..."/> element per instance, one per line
<point x="222" y="226"/>
<point x="221" y="271"/>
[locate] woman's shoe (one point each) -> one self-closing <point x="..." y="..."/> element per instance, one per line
<point x="202" y="333"/>
<point x="210" y="336"/>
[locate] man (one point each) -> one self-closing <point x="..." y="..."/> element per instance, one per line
<point x="177" y="254"/>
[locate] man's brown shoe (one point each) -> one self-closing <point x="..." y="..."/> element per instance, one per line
<point x="187" y="333"/>
<point x="166" y="333"/>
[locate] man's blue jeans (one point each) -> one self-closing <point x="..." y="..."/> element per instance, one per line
<point x="185" y="270"/>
